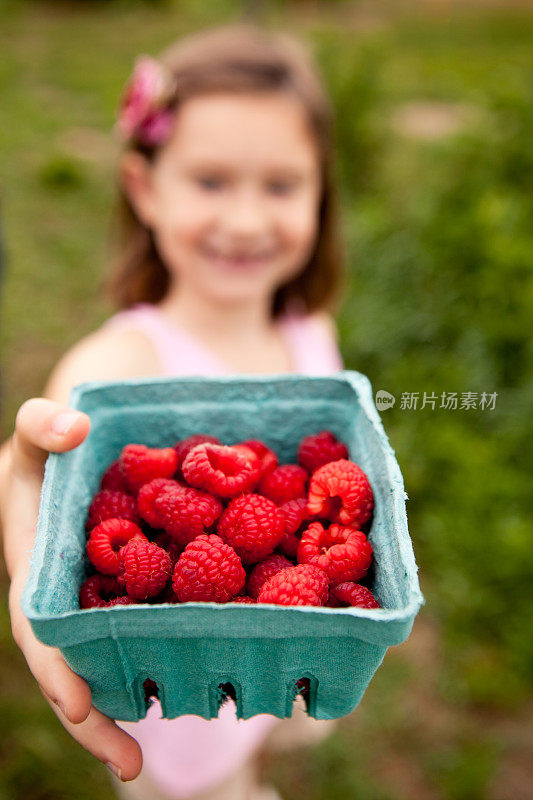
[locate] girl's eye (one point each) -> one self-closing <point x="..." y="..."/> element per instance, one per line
<point x="210" y="183"/>
<point x="280" y="188"/>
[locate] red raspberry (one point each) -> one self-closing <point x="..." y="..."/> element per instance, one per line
<point x="284" y="483"/>
<point x="185" y="513"/>
<point x="167" y="595"/>
<point x="173" y="548"/>
<point x="141" y="464"/>
<point x="113" y="478"/>
<point x="208" y="570"/>
<point x="341" y="492"/>
<point x="105" y="541"/>
<point x="268" y="458"/>
<point x="223" y="471"/>
<point x="343" y="553"/>
<point x="243" y="598"/>
<point x="124" y="600"/>
<point x="99" y="591"/>
<point x="296" y="514"/>
<point x="303" y="687"/>
<point x="111" y="504"/>
<point x="264" y="570"/>
<point x="147" y="496"/>
<point x="250" y="455"/>
<point x="320" y="449"/>
<point x="144" y="568"/>
<point x="303" y="585"/>
<point x="352" y="594"/>
<point x="252" y="525"/>
<point x="184" y="447"/>
<point x="151" y="689"/>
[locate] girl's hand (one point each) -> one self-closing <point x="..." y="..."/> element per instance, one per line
<point x="43" y="426"/>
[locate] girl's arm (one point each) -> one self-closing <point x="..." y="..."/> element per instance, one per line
<point x="46" y="425"/>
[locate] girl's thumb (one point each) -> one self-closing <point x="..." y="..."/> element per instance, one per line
<point x="44" y="426"/>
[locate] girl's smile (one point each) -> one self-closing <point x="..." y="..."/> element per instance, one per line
<point x="239" y="260"/>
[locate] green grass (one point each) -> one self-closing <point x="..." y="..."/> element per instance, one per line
<point x="439" y="299"/>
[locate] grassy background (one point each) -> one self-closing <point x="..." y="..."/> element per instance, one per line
<point x="435" y="114"/>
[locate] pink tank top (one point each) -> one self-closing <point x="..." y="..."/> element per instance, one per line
<point x="312" y="350"/>
<point x="189" y="755"/>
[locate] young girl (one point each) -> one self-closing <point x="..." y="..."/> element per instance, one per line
<point x="227" y="260"/>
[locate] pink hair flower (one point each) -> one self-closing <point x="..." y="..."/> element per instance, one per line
<point x="156" y="128"/>
<point x="144" y="114"/>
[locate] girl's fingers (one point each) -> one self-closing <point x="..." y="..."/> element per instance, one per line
<point x="107" y="742"/>
<point x="44" y="426"/>
<point x="41" y="425"/>
<point x="37" y="432"/>
<point x="61" y="685"/>
<point x="70" y="698"/>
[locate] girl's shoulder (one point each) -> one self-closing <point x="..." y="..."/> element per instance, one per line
<point x="321" y="320"/>
<point x="325" y="323"/>
<point x="314" y="341"/>
<point x="315" y="325"/>
<point x="107" y="353"/>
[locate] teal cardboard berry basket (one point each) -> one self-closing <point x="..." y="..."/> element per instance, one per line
<point x="194" y="650"/>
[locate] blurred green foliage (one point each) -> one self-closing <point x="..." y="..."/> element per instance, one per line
<point x="439" y="299"/>
<point x="62" y="174"/>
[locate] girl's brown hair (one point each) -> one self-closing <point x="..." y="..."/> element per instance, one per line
<point x="238" y="58"/>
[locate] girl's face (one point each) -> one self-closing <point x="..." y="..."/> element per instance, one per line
<point x="233" y="197"/>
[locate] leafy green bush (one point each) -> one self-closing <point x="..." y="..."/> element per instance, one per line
<point x="438" y="300"/>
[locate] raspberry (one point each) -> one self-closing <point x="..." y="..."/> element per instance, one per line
<point x="124" y="600"/>
<point x="289" y="545"/>
<point x="99" y="591"/>
<point x="352" y="594"/>
<point x="147" y="496"/>
<point x="141" y="464"/>
<point x="144" y="568"/>
<point x="113" y="478"/>
<point x="173" y="548"/>
<point x="265" y="570"/>
<point x="303" y="585"/>
<point x="268" y="458"/>
<point x="295" y="514"/>
<point x="252" y="525"/>
<point x="303" y="687"/>
<point x="341" y="492"/>
<point x="208" y="570"/>
<point x="320" y="449"/>
<point x="111" y="504"/>
<point x="185" y="513"/>
<point x="223" y="471"/>
<point x="106" y="540"/>
<point x="243" y="598"/>
<point x="250" y="455"/>
<point x="184" y="447"/>
<point x="151" y="689"/>
<point x="343" y="553"/>
<point x="284" y="483"/>
<point x="167" y="595"/>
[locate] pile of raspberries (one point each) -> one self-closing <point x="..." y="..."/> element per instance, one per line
<point x="202" y="521"/>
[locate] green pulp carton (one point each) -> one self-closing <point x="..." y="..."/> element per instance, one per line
<point x="191" y="650"/>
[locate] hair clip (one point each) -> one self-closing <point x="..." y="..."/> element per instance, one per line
<point x="144" y="115"/>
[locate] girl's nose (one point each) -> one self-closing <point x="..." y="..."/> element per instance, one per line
<point x="246" y="215"/>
